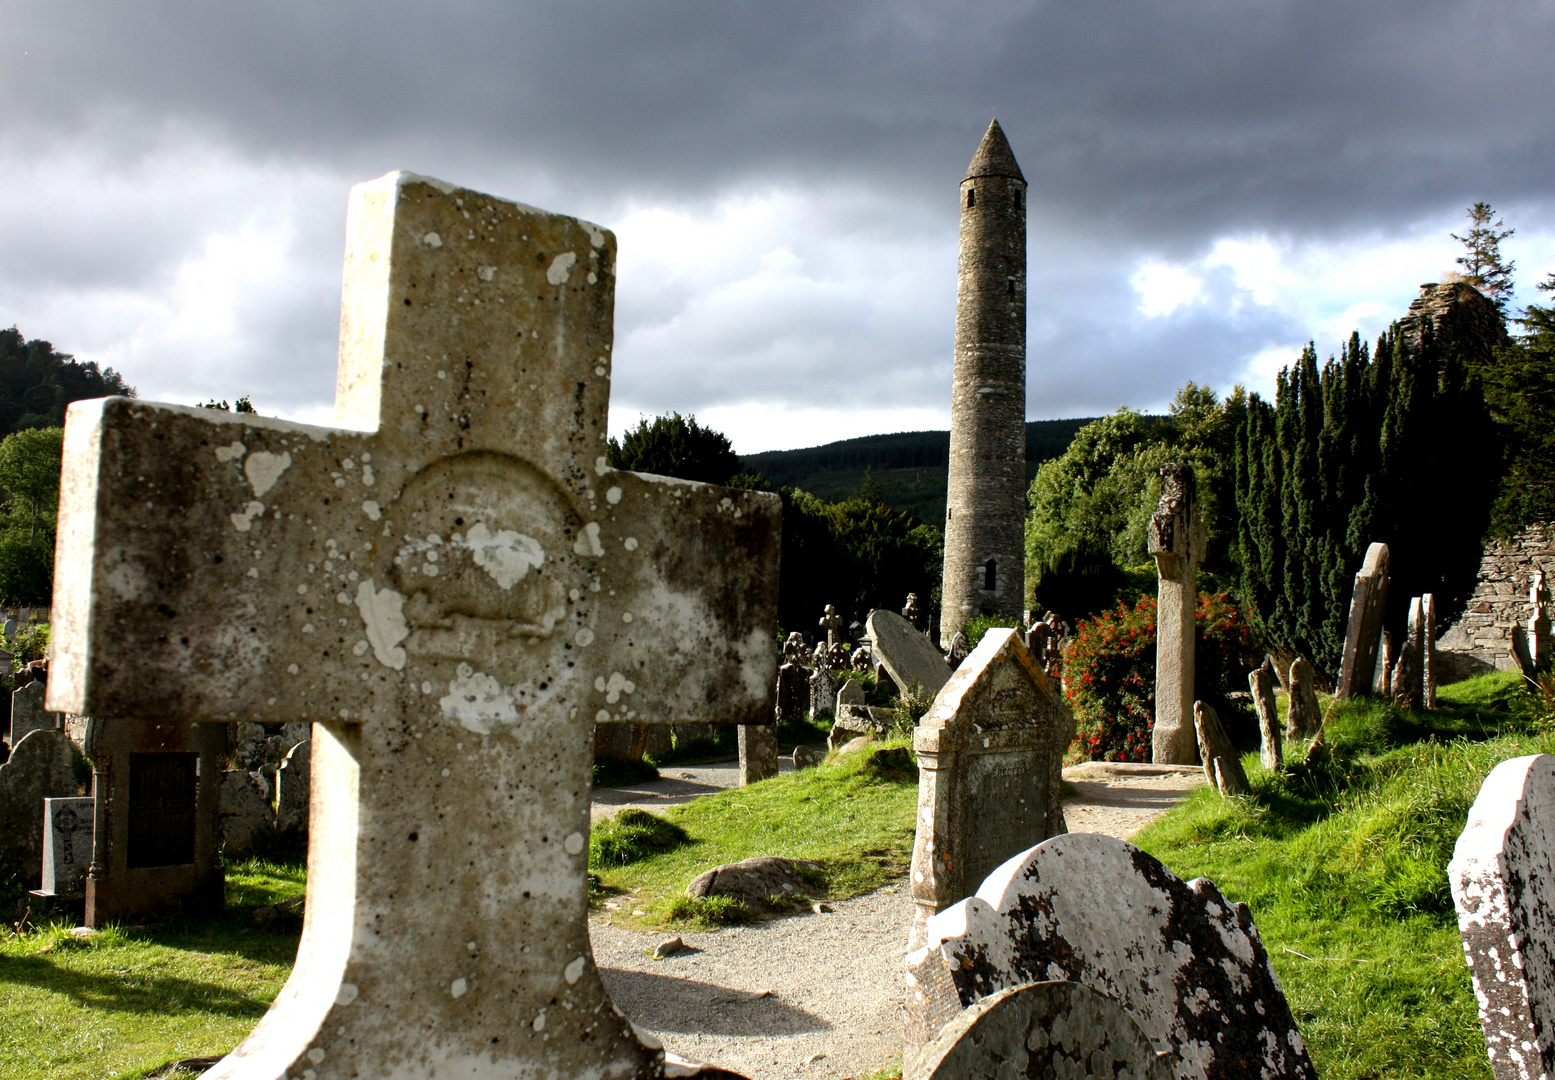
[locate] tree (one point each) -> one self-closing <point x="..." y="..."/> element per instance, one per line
<point x="675" y="445"/>
<point x="1520" y="389"/>
<point x="242" y="405"/>
<point x="29" y="474"/>
<point x="37" y="383"/>
<point x="1481" y="262"/>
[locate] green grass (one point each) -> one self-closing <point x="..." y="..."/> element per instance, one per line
<point x="853" y="814"/>
<point x="124" y="1003"/>
<point x="1344" y="867"/>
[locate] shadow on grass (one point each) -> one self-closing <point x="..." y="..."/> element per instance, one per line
<point x="126" y="992"/>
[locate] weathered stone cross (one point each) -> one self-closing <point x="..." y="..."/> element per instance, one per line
<point x="454" y="595"/>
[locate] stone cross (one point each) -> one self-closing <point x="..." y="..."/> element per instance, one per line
<point x="1368" y="604"/>
<point x="1177" y="544"/>
<point x="1502" y="876"/>
<point x="831" y="622"/>
<point x="454" y="593"/>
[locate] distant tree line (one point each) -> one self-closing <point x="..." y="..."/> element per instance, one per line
<point x="37" y="383"/>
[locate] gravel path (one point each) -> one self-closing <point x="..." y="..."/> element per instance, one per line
<point x="812" y="995"/>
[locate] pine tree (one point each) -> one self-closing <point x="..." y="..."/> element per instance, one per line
<point x="1481" y="262"/>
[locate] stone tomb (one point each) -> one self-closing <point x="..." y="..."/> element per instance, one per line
<point x="156" y="786"/>
<point x="454" y="593"/>
<point x="907" y="653"/>
<point x="67" y="848"/>
<point x="990" y="759"/>
<point x="41" y="766"/>
<point x="1363" y="634"/>
<point x="1177" y="545"/>
<point x="1186" y="963"/>
<point x="1503" y="884"/>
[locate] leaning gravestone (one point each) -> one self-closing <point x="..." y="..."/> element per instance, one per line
<point x="1304" y="715"/>
<point x="990" y="759"/>
<point x="1042" y="1031"/>
<point x="41" y="766"/>
<point x="454" y="593"/>
<point x="1222" y="764"/>
<point x="1368" y="604"/>
<point x="29" y="715"/>
<point x="908" y="655"/>
<point x="67" y="848"/>
<point x="157" y="792"/>
<point x="1503" y="883"/>
<point x="1177" y="545"/>
<point x="1186" y="963"/>
<point x="291" y="790"/>
<point x="1260" y="681"/>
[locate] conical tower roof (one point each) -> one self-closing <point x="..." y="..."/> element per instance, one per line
<point x="994" y="157"/>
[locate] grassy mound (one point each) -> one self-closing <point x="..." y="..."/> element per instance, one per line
<point x="854" y="814"/>
<point x="1344" y="867"/>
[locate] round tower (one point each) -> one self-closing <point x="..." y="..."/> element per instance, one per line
<point x="985" y="510"/>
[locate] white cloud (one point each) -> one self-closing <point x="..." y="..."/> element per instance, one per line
<point x="1163" y="288"/>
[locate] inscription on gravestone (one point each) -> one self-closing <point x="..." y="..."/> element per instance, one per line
<point x="67" y="846"/>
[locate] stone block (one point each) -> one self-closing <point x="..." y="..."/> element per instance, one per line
<point x="1187" y="964"/>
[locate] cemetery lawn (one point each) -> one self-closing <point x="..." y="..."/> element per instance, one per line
<point x="128" y="1001"/>
<point x="1344" y="867"/>
<point x="847" y="813"/>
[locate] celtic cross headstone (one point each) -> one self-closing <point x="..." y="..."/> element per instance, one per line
<point x="454" y="593"/>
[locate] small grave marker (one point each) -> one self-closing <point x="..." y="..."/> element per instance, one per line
<point x="67" y="847"/>
<point x="454" y="595"/>
<point x="1304" y="715"/>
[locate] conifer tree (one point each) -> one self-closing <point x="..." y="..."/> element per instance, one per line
<point x="1482" y="263"/>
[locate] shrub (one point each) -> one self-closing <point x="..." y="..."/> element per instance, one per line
<point x="976" y="628"/>
<point x="632" y="835"/>
<point x="1109" y="675"/>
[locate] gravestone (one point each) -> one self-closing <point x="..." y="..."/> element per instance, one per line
<point x="1176" y="542"/>
<point x="1407" y="684"/>
<point x="1539" y="648"/>
<point x="454" y="593"/>
<point x="1503" y="882"/>
<point x="1039" y="640"/>
<point x="908" y="655"/>
<point x="246" y="814"/>
<point x="1186" y="963"/>
<point x="793" y="693"/>
<point x="794" y="650"/>
<point x="41" y="766"/>
<point x="1304" y="715"/>
<point x="958" y="652"/>
<point x="1222" y="764"/>
<point x="912" y="613"/>
<point x="758" y="753"/>
<point x="850" y="694"/>
<point x="823" y="685"/>
<point x="1039" y="1031"/>
<point x="831" y="622"/>
<point x="1428" y="661"/>
<point x="291" y="790"/>
<point x="990" y="758"/>
<point x="1368" y="604"/>
<point x="1387" y="660"/>
<point x="1260" y="682"/>
<point x="156" y="786"/>
<point x="67" y="848"/>
<point x="28" y="713"/>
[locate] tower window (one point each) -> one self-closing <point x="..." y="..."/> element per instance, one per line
<point x="990" y="575"/>
<point x="1017" y="199"/>
<point x="971" y="197"/>
<point x="1012" y="286"/>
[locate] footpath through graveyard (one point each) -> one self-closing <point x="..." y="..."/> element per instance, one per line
<point x="811" y="995"/>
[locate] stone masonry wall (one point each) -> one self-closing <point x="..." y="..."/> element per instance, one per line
<point x="1481" y="640"/>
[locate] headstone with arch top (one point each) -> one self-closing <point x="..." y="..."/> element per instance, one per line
<point x="454" y="593"/>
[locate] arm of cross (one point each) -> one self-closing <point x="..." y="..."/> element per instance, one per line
<point x="472" y="545"/>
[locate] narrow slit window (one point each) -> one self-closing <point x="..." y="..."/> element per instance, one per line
<point x="1012" y="286"/>
<point x="1017" y="200"/>
<point x="990" y="575"/>
<point x="971" y="197"/>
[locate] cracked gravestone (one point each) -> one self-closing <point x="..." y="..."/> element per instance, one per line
<point x="454" y="593"/>
<point x="1186" y="963"/>
<point x="1503" y="878"/>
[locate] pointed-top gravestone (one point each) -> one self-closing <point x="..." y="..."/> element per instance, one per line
<point x="455" y="593"/>
<point x="990" y="759"/>
<point x="908" y="655"/>
<point x="1363" y="634"/>
<point x="1503" y="884"/>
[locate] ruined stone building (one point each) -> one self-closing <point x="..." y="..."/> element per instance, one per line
<point x="985" y="511"/>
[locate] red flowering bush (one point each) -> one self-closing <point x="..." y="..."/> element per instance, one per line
<point x="1109" y="674"/>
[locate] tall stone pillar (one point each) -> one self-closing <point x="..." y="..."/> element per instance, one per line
<point x="985" y="510"/>
<point x="1177" y="544"/>
<point x="1368" y="603"/>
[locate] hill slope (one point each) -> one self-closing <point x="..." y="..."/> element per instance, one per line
<point x="911" y="467"/>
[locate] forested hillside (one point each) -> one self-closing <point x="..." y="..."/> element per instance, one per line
<point x="910" y="467"/>
<point x="37" y="383"/>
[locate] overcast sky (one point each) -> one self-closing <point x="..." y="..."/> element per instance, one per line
<point x="1213" y="183"/>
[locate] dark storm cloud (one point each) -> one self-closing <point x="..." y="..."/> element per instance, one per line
<point x="1146" y="119"/>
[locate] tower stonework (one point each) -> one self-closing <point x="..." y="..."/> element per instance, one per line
<point x="985" y="512"/>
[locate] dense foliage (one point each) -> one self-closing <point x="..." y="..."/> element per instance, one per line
<point x="1393" y="445"/>
<point x="37" y="383"/>
<point x="1520" y="390"/>
<point x="675" y="445"/>
<point x="1109" y="675"/>
<point x="29" y="479"/>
